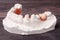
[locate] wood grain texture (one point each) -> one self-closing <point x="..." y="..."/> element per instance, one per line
<point x="31" y="6"/>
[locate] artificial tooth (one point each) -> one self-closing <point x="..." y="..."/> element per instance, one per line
<point x="34" y="17"/>
<point x="37" y="16"/>
<point x="48" y="13"/>
<point x="20" y="18"/>
<point x="26" y="18"/>
<point x="43" y="17"/>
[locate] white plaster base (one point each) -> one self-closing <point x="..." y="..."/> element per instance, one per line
<point x="16" y="29"/>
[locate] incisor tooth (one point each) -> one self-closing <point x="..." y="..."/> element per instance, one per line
<point x="26" y="18"/>
<point x="37" y="16"/>
<point x="34" y="17"/>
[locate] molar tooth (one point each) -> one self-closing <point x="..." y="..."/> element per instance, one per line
<point x="48" y="13"/>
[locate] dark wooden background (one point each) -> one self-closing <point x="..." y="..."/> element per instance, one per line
<point x="30" y="7"/>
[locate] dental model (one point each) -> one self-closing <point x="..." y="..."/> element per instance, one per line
<point x="14" y="22"/>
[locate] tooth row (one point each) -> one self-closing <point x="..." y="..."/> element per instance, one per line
<point x="26" y="19"/>
<point x="32" y="18"/>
